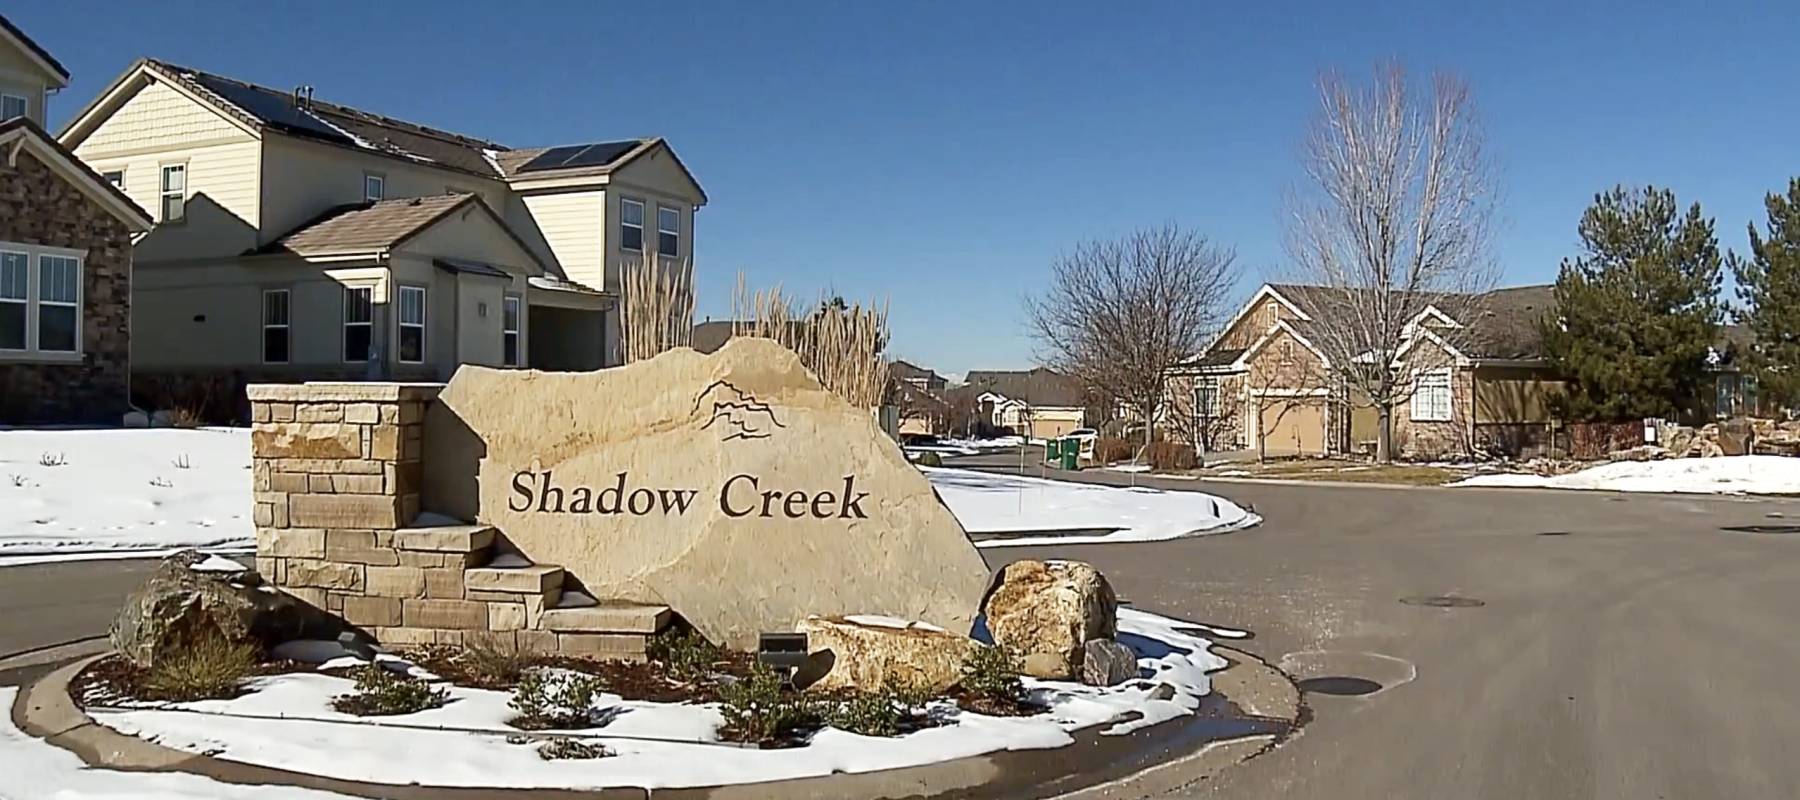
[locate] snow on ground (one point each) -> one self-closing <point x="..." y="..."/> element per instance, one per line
<point x="1727" y="475"/>
<point x="288" y="723"/>
<point x="110" y="493"/>
<point x="33" y="768"/>
<point x="989" y="503"/>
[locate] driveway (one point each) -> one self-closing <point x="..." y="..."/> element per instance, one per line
<point x="1627" y="646"/>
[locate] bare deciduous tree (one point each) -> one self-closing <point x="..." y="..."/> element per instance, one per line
<point x="1118" y="314"/>
<point x="1395" y="219"/>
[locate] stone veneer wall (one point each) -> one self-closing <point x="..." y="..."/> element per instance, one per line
<point x="338" y="471"/>
<point x="38" y="207"/>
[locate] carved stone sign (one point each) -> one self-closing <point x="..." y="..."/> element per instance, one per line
<point x="731" y="487"/>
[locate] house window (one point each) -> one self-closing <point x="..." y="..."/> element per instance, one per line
<point x="11" y="105"/>
<point x="1431" y="396"/>
<point x="116" y="177"/>
<point x="668" y="231"/>
<point x="174" y="192"/>
<point x="631" y="224"/>
<point x="275" y="330"/>
<point x="59" y="303"/>
<point x="15" y="295"/>
<point x="412" y="324"/>
<point x="359" y="322"/>
<point x="509" y="329"/>
<point x="1725" y="396"/>
<point x="1206" y="397"/>
<point x="374" y="186"/>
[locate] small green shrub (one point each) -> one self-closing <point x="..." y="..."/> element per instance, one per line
<point x="562" y="748"/>
<point x="208" y="667"/>
<point x="553" y="700"/>
<point x="685" y="654"/>
<point x="991" y="676"/>
<point x="928" y="459"/>
<point x="887" y="713"/>
<point x="380" y="693"/>
<point x="756" y="710"/>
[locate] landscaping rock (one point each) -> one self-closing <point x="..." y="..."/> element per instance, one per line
<point x="179" y="603"/>
<point x="738" y="491"/>
<point x="872" y="654"/>
<point x="1105" y="662"/>
<point x="1644" y="452"/>
<point x="1047" y="612"/>
<point x="1736" y="437"/>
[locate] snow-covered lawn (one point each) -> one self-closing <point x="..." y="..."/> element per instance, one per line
<point x="92" y="493"/>
<point x="988" y="503"/>
<point x="1728" y="475"/>
<point x="288" y="723"/>
<point x="33" y="768"/>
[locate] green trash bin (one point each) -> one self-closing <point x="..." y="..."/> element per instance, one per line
<point x="1052" y="450"/>
<point x="1071" y="453"/>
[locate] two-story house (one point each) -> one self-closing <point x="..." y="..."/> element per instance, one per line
<point x="301" y="239"/>
<point x="65" y="258"/>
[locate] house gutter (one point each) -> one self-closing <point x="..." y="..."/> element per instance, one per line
<point x="1509" y="362"/>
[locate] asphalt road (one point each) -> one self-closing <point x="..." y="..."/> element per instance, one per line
<point x="1627" y="646"/>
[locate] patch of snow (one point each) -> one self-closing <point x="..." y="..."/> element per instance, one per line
<point x="989" y="503"/>
<point x="120" y="493"/>
<point x="1129" y="468"/>
<point x="287" y="722"/>
<point x="1725" y="475"/>
<point x="30" y="767"/>
<point x="216" y="563"/>
<point x="883" y="621"/>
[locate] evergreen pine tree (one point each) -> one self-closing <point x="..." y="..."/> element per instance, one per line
<point x="1769" y="285"/>
<point x="1639" y="310"/>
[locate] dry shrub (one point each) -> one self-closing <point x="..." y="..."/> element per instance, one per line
<point x="185" y="417"/>
<point x="206" y="667"/>
<point x="840" y="342"/>
<point x="1167" y="455"/>
<point x="1110" y="450"/>
<point x="657" y="309"/>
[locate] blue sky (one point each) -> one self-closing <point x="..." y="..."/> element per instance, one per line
<point x="939" y="155"/>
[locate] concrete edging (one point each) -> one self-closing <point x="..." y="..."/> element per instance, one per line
<point x="45" y="710"/>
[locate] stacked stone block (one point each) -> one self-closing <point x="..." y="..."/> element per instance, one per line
<point x="338" y="472"/>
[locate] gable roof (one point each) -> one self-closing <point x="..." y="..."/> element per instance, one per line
<point x="1041" y="387"/>
<point x="907" y="369"/>
<point x="21" y="132"/>
<point x="384" y="225"/>
<point x="261" y="107"/>
<point x="1505" y="325"/>
<point x="34" y="51"/>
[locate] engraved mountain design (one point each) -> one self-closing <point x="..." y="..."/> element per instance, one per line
<point x="735" y="413"/>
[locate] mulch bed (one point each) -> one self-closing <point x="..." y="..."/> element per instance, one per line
<point x="631" y="681"/>
<point x="113" y="679"/>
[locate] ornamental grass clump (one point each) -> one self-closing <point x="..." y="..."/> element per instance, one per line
<point x="207" y="667"/>
<point x="381" y="693"/>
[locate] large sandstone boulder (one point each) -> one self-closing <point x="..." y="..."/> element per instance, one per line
<point x="1047" y="612"/>
<point x="873" y="653"/>
<point x="731" y="487"/>
<point x="193" y="595"/>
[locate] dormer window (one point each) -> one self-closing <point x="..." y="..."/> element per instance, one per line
<point x="374" y="186"/>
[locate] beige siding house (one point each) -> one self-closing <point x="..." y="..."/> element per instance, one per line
<point x="1477" y="385"/>
<point x="1038" y="403"/>
<point x="28" y="76"/>
<point x="299" y="239"/>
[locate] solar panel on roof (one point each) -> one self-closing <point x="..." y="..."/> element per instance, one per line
<point x="578" y="155"/>
<point x="271" y="107"/>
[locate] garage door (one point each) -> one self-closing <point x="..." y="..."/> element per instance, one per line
<point x="1294" y="427"/>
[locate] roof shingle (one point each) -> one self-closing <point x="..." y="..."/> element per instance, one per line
<point x="366" y="227"/>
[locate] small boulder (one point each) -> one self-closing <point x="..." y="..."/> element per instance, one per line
<point x="136" y="419"/>
<point x="1047" y="612"/>
<point x="1105" y="662"/>
<point x="875" y="653"/>
<point x="193" y="594"/>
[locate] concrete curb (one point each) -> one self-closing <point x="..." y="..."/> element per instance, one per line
<point x="45" y="710"/>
